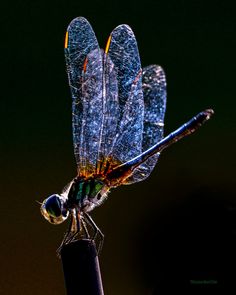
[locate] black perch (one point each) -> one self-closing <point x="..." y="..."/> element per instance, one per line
<point x="81" y="268"/>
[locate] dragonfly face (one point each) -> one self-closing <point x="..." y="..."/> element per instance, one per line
<point x="118" y="113"/>
<point x="53" y="209"/>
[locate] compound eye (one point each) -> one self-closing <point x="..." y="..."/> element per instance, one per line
<point x="53" y="209"/>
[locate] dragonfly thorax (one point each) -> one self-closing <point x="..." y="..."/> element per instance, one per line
<point x="83" y="195"/>
<point x="86" y="194"/>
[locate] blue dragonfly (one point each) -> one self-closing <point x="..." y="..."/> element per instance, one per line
<point x="118" y="113"/>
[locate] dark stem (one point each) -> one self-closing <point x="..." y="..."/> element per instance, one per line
<point x="81" y="268"/>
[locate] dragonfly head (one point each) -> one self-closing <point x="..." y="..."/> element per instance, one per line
<point x="53" y="209"/>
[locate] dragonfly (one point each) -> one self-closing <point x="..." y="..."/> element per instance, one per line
<point x="118" y="113"/>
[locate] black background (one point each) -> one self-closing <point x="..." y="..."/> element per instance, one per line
<point x="174" y="231"/>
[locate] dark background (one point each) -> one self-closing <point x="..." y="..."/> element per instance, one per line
<point x="174" y="231"/>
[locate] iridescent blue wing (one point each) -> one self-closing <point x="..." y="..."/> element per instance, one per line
<point x="84" y="67"/>
<point x="111" y="111"/>
<point x="154" y="92"/>
<point x="123" y="54"/>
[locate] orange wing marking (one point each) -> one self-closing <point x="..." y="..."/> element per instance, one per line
<point x="85" y="64"/>
<point x="108" y="44"/>
<point x="66" y="39"/>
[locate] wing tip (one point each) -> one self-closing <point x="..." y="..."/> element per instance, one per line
<point x="80" y="20"/>
<point x="123" y="27"/>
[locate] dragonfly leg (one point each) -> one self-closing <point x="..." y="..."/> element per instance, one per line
<point x="83" y="224"/>
<point x="97" y="231"/>
<point x="65" y="238"/>
<point x="75" y="226"/>
<point x="73" y="230"/>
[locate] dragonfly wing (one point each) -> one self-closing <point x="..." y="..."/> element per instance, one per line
<point x="84" y="67"/>
<point x="111" y="113"/>
<point x="123" y="54"/>
<point x="92" y="114"/>
<point x="154" y="92"/>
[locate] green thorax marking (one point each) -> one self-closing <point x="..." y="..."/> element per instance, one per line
<point x="87" y="188"/>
